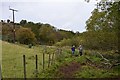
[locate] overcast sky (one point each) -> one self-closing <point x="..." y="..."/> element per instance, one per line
<point x="63" y="14"/>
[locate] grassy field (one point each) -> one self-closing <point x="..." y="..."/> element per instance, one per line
<point x="0" y="52"/>
<point x="12" y="62"/>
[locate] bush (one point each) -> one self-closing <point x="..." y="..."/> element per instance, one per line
<point x="69" y="42"/>
<point x="25" y="36"/>
<point x="64" y="42"/>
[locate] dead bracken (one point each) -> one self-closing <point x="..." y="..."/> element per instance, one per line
<point x="67" y="71"/>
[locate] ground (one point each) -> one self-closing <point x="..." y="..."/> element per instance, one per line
<point x="68" y="70"/>
<point x="65" y="65"/>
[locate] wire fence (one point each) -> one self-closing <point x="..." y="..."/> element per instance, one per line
<point x="29" y="66"/>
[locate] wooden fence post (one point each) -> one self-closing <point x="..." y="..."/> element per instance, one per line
<point x="52" y="59"/>
<point x="49" y="61"/>
<point x="36" y="66"/>
<point x="57" y="53"/>
<point x="44" y="56"/>
<point x="24" y="64"/>
<point x="60" y="51"/>
<point x="43" y="60"/>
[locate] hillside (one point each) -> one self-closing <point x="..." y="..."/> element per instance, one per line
<point x="0" y="52"/>
<point x="82" y="67"/>
<point x="90" y="65"/>
<point x="12" y="59"/>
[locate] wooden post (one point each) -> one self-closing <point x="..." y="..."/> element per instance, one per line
<point x="44" y="57"/>
<point x="24" y="64"/>
<point x="49" y="61"/>
<point x="52" y="59"/>
<point x="43" y="60"/>
<point x="57" y="53"/>
<point x="60" y="51"/>
<point x="36" y="66"/>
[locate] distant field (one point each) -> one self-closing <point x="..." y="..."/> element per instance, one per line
<point x="12" y="60"/>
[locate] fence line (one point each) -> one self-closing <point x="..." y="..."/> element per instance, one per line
<point x="52" y="56"/>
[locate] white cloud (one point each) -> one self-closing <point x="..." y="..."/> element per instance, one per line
<point x="48" y="1"/>
<point x="65" y="15"/>
<point x="41" y="0"/>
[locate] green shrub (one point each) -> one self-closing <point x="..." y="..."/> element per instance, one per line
<point x="25" y="36"/>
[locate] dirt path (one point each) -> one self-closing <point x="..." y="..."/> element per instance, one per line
<point x="68" y="70"/>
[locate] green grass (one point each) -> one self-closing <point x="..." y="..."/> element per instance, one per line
<point x="12" y="60"/>
<point x="86" y="71"/>
<point x="90" y="72"/>
<point x="0" y="52"/>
